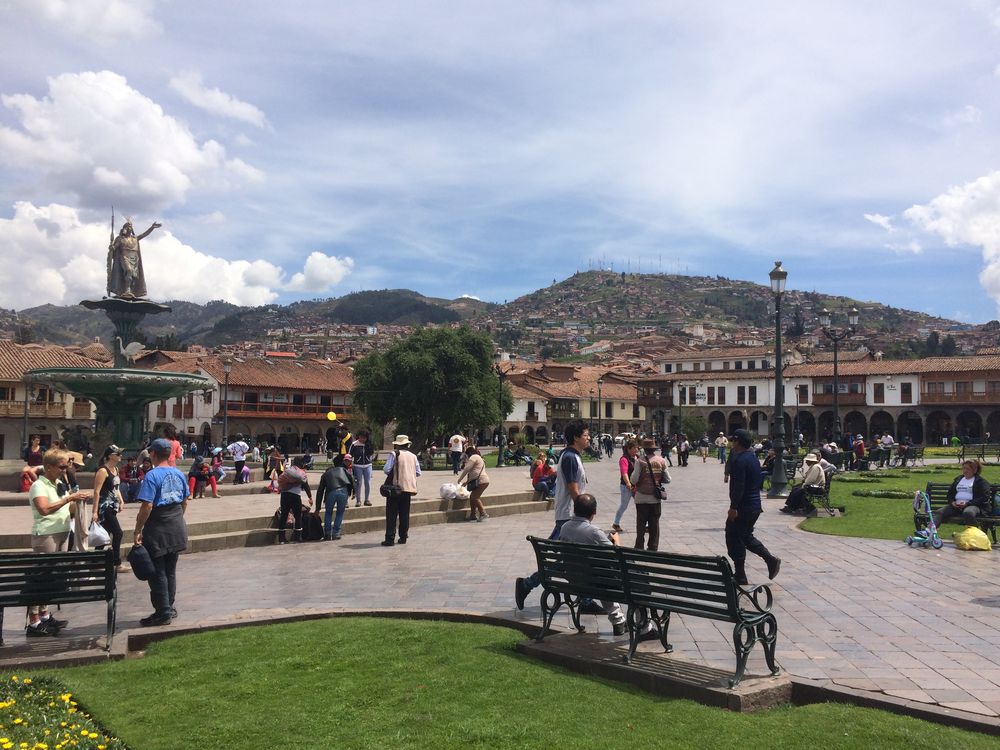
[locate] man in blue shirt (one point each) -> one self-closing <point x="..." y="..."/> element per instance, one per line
<point x="745" y="480"/>
<point x="571" y="482"/>
<point x="160" y="528"/>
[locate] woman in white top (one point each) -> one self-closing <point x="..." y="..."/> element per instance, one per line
<point x="474" y="474"/>
<point x="968" y="496"/>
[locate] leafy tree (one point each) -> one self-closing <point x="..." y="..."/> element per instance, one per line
<point x="431" y="382"/>
<point x="797" y="327"/>
<point x="948" y="346"/>
<point x="694" y="426"/>
<point x="933" y="344"/>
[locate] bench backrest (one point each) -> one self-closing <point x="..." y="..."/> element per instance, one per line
<point x="28" y="579"/>
<point x="687" y="584"/>
<point x="592" y="570"/>
<point x="938" y="493"/>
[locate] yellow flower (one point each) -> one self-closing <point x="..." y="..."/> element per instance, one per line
<point x="27" y="681"/>
<point x="18" y="720"/>
<point x="13" y="678"/>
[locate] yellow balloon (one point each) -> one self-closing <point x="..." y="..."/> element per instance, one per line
<point x="332" y="416"/>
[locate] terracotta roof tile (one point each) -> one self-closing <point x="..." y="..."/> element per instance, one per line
<point x="306" y="374"/>
<point x="16" y="358"/>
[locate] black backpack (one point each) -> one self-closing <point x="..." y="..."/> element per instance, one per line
<point x="312" y="527"/>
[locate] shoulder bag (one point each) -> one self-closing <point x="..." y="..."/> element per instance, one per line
<point x="657" y="489"/>
<point x="389" y="486"/>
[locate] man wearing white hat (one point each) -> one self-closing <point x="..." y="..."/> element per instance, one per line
<point x="721" y="443"/>
<point x="402" y="470"/>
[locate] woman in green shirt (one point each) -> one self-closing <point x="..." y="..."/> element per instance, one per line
<point x="50" y="529"/>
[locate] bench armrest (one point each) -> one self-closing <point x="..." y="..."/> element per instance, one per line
<point x="753" y="598"/>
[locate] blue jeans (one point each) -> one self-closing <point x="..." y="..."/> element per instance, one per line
<point x="456" y="461"/>
<point x="163" y="583"/>
<point x="363" y="472"/>
<point x="548" y="486"/>
<point x="626" y="496"/>
<point x="340" y="498"/>
<point x="722" y="455"/>
<point x="532" y="580"/>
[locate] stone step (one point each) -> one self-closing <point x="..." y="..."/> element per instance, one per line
<point x="253" y="530"/>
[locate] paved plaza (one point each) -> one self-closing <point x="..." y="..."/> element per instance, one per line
<point x="866" y="614"/>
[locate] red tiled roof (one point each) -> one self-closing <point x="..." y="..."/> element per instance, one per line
<point x="16" y="358"/>
<point x="303" y="375"/>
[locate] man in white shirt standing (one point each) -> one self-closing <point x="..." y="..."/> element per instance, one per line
<point x="456" y="446"/>
<point x="239" y="449"/>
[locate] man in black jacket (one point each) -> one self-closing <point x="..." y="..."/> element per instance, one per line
<point x="335" y="486"/>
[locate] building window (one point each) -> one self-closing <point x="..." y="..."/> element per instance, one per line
<point x="935" y="387"/>
<point x="855" y="388"/>
<point x="711" y="395"/>
<point x="609" y="409"/>
<point x="906" y="393"/>
<point x="635" y="411"/>
<point x="697" y="366"/>
<point x="6" y="394"/>
<point x="531" y="407"/>
<point x="668" y="367"/>
<point x="725" y="365"/>
<point x="692" y="395"/>
<point x="739" y="364"/>
<point x="963" y="387"/>
<point x="879" y="395"/>
<point x="708" y="366"/>
<point x="593" y="409"/>
<point x="763" y="364"/>
<point x="752" y="394"/>
<point x="803" y="393"/>
<point x="722" y="395"/>
<point x="751" y="364"/>
<point x="682" y="396"/>
<point x="741" y="394"/>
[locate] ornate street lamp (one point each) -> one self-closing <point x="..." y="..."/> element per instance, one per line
<point x="501" y="440"/>
<point x="836" y="335"/>
<point x="227" y="367"/>
<point x="600" y="408"/>
<point x="779" y="482"/>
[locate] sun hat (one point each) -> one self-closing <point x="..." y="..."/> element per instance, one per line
<point x="401" y="440"/>
<point x="811" y="458"/>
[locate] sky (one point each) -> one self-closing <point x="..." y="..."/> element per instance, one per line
<point x="306" y="149"/>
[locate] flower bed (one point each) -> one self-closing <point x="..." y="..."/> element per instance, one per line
<point x="40" y="714"/>
<point x="883" y="493"/>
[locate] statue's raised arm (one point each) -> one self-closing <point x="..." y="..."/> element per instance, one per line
<point x="154" y="225"/>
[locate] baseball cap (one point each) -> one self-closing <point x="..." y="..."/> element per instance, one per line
<point x="742" y="437"/>
<point x="161" y="446"/>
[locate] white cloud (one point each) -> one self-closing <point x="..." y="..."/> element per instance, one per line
<point x="883" y="221"/>
<point x="320" y="273"/>
<point x="97" y="138"/>
<point x="968" y="214"/>
<point x="75" y="254"/>
<point x="189" y="85"/>
<point x="97" y="19"/>
<point x="905" y="247"/>
<point x="967" y="115"/>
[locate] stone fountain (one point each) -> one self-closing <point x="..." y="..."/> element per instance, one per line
<point x="120" y="393"/>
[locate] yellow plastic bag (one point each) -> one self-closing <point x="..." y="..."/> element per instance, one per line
<point x="973" y="538"/>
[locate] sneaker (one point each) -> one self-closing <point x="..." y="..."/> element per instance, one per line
<point x="483" y="517"/>
<point x="619" y="628"/>
<point x="773" y="566"/>
<point x="648" y="635"/>
<point x="388" y="543"/>
<point x="38" y="630"/>
<point x="337" y="535"/>
<point x="471" y="517"/>
<point x="401" y="540"/>
<point x="521" y="589"/>
<point x="617" y="529"/>
<point x="592" y="608"/>
<point x="173" y="613"/>
<point x="51" y="622"/>
<point x="786" y="509"/>
<point x="357" y="504"/>
<point x="368" y="502"/>
<point x="155" y="620"/>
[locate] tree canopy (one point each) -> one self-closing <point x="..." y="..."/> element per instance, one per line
<point x="434" y="381"/>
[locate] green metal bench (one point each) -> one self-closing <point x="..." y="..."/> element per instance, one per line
<point x="655" y="585"/>
<point x="938" y="494"/>
<point x="32" y="579"/>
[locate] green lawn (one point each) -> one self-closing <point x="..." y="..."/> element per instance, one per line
<point x="878" y="518"/>
<point x="379" y="683"/>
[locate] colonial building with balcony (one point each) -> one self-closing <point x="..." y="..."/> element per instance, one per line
<point x="927" y="400"/>
<point x="280" y="401"/>
<point x="38" y="410"/>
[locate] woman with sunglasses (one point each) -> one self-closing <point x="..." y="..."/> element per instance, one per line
<point x="108" y="501"/>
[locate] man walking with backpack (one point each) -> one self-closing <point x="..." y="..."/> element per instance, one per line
<point x="745" y="480"/>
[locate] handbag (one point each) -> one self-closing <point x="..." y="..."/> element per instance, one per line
<point x="141" y="562"/>
<point x="97" y="535"/>
<point x="657" y="490"/>
<point x="389" y="486"/>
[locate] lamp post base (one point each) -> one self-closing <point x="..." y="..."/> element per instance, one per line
<point x="778" y="493"/>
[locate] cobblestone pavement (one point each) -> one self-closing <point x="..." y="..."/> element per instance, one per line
<point x="873" y="615"/>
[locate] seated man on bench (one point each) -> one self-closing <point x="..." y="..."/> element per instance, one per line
<point x="814" y="479"/>
<point x="580" y="529"/>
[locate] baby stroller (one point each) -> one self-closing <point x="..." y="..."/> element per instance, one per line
<point x="928" y="534"/>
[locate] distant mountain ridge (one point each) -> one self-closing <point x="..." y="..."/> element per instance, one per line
<point x="626" y="301"/>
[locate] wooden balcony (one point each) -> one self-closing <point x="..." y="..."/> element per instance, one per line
<point x="968" y="397"/>
<point x="826" y="399"/>
<point x="276" y="410"/>
<point x="81" y="409"/>
<point x="54" y="409"/>
<point x="531" y="416"/>
<point x="183" y="411"/>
